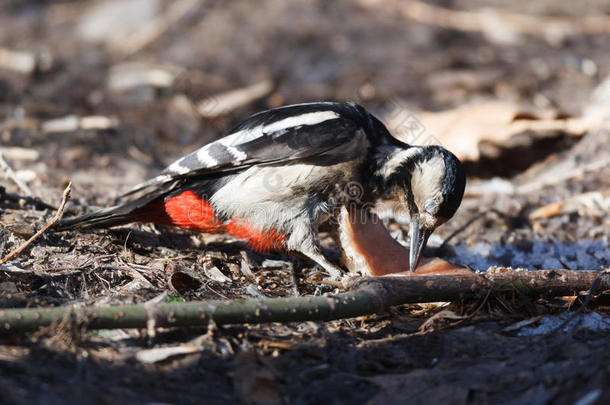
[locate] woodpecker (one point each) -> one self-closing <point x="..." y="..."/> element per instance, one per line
<point x="282" y="172"/>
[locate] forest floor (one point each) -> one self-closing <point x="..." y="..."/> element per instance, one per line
<point x="83" y="98"/>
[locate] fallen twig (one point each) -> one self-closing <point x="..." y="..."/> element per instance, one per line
<point x="561" y="174"/>
<point x="470" y="222"/>
<point x="594" y="287"/>
<point x="71" y="123"/>
<point x="10" y="174"/>
<point x="155" y="29"/>
<point x="18" y="153"/>
<point x="9" y="268"/>
<point x="42" y="230"/>
<point x="366" y="296"/>
<point x="478" y="21"/>
<point x="224" y="103"/>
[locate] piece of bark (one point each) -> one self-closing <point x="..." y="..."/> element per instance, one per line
<point x="368" y="247"/>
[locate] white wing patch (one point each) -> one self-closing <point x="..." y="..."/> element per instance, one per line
<point x="243" y="136"/>
<point x="227" y="151"/>
<point x="203" y="156"/>
<point x="238" y="154"/>
<point x="312" y="118"/>
<point x="177" y="167"/>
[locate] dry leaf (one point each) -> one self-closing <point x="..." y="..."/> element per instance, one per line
<point x="214" y="273"/>
<point x="369" y="248"/>
<point x="494" y="122"/>
<point x="183" y="282"/>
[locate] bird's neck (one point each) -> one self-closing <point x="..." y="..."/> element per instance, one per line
<point x="390" y="164"/>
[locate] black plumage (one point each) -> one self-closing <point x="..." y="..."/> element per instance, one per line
<point x="289" y="168"/>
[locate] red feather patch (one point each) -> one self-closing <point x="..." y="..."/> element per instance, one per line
<point x="190" y="212"/>
<point x="258" y="241"/>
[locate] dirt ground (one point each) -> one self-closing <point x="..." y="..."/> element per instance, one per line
<point x="106" y="93"/>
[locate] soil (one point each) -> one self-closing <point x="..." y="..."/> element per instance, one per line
<point x="460" y="352"/>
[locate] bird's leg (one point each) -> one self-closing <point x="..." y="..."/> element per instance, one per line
<point x="335" y="273"/>
<point x="304" y="240"/>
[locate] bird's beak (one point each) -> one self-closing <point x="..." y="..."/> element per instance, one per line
<point x="419" y="238"/>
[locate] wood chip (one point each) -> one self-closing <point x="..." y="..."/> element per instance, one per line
<point x="20" y="62"/>
<point x="10" y="174"/>
<point x="151" y="356"/>
<point x="71" y="123"/>
<point x="214" y="273"/>
<point x="17" y="153"/>
<point x="153" y="30"/>
<point x="222" y="104"/>
<point x="126" y="76"/>
<point x="593" y="203"/>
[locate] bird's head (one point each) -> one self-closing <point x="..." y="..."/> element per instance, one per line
<point x="429" y="181"/>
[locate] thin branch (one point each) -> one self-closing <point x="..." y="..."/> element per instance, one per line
<point x="549" y="178"/>
<point x="592" y="290"/>
<point x="470" y="222"/>
<point x="365" y="296"/>
<point x="42" y="230"/>
<point x="155" y="29"/>
<point x="12" y="269"/>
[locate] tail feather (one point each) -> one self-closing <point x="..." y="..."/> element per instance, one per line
<point x="103" y="218"/>
<point x="161" y="179"/>
<point x="147" y="208"/>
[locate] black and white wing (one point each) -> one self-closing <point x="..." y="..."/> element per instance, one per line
<point x="284" y="134"/>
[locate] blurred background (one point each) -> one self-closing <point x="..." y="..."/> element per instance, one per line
<point x="128" y="85"/>
<point x="107" y="93"/>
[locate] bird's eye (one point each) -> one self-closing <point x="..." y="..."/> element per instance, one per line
<point x="431" y="207"/>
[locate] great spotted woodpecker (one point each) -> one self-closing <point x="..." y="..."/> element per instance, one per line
<point x="275" y="177"/>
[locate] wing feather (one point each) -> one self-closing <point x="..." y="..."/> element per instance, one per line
<point x="283" y="134"/>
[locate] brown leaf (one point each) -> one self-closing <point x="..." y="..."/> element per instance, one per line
<point x="183" y="282"/>
<point x="490" y="123"/>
